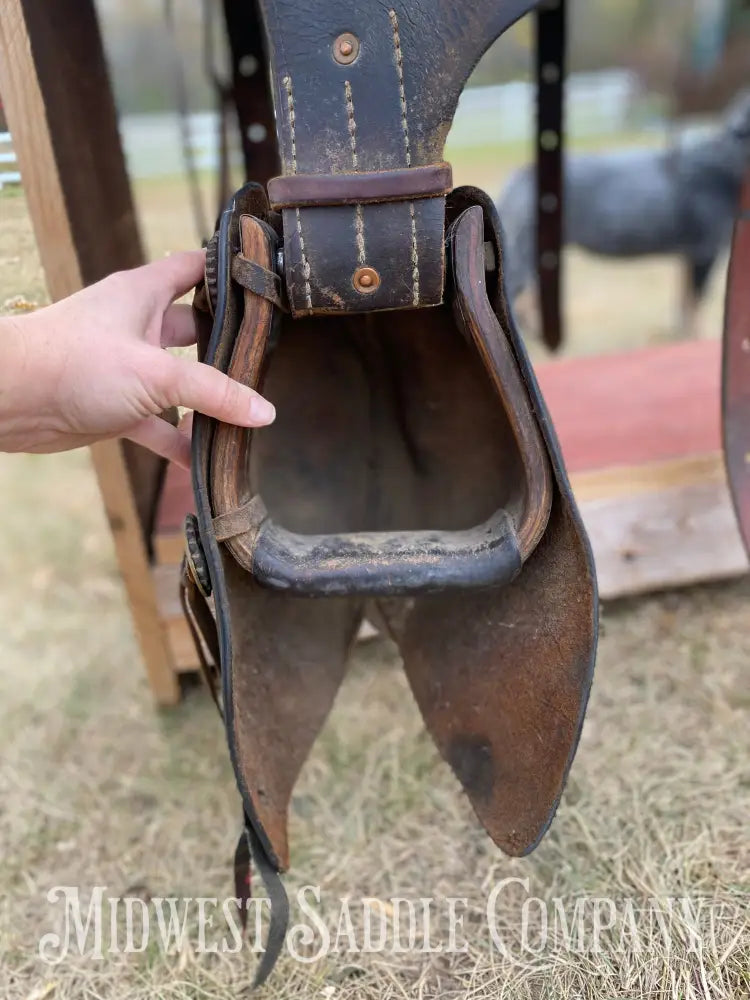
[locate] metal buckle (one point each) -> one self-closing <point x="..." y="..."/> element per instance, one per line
<point x="195" y="557"/>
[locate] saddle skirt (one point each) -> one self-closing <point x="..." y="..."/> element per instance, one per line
<point x="412" y="474"/>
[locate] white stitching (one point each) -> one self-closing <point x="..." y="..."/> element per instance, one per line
<point x="414" y="257"/>
<point x="407" y="145"/>
<point x="401" y="90"/>
<point x="359" y="215"/>
<point x="287" y="81"/>
<point x="352" y="123"/>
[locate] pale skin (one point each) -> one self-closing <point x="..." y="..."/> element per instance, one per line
<point x="93" y="366"/>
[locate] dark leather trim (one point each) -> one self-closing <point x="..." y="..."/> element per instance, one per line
<point x="735" y="383"/>
<point x="305" y="190"/>
<point x="387" y="564"/>
<point x="250" y="200"/>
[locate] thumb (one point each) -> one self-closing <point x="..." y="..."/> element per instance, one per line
<point x="200" y="387"/>
<point x="169" y="278"/>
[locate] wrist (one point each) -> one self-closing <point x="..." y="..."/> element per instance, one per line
<point x="12" y="360"/>
<point x="27" y="372"/>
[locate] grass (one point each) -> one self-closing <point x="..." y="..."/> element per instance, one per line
<point x="97" y="787"/>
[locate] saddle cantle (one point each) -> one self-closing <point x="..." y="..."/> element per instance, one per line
<point x="412" y="472"/>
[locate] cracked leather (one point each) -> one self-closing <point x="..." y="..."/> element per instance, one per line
<point x="388" y="110"/>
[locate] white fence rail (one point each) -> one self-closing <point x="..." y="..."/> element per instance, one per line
<point x="596" y="103"/>
<point x="7" y="161"/>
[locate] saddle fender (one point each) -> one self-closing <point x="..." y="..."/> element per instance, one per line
<point x="412" y="467"/>
<point x="412" y="473"/>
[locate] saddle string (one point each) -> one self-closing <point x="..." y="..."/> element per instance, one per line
<point x="277" y="899"/>
<point x="202" y="631"/>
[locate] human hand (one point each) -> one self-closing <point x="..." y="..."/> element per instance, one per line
<point x="92" y="366"/>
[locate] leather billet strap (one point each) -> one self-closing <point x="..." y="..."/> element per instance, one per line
<point x="550" y="60"/>
<point x="387" y="109"/>
<point x="249" y="91"/>
<point x="736" y="368"/>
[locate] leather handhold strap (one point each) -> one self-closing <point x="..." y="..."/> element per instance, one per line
<point x="308" y="190"/>
<point x="257" y="279"/>
<point x="736" y="368"/>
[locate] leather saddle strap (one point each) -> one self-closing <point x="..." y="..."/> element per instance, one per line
<point x="736" y="368"/>
<point x="202" y="631"/>
<point x="314" y="190"/>
<point x="250" y="89"/>
<point x="250" y="850"/>
<point x="364" y="87"/>
<point x="550" y="59"/>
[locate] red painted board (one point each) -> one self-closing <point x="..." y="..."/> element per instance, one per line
<point x="630" y="409"/>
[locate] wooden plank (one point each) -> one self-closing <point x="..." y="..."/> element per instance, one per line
<point x="168" y="547"/>
<point x="166" y="584"/>
<point x="64" y="132"/>
<point x="134" y="566"/>
<point x="181" y="645"/>
<point x="630" y="480"/>
<point x="175" y="502"/>
<point x="673" y="535"/>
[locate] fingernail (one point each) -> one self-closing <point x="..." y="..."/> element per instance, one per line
<point x="261" y="411"/>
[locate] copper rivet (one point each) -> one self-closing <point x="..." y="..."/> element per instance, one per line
<point x="366" y="280"/>
<point x="346" y="48"/>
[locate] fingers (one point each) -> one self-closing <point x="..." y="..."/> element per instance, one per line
<point x="169" y="278"/>
<point x="162" y="438"/>
<point x="200" y="387"/>
<point x="178" y="327"/>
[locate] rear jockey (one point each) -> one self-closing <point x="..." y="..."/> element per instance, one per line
<point x="92" y="366"/>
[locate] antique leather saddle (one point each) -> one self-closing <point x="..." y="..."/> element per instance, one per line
<point x="412" y="474"/>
